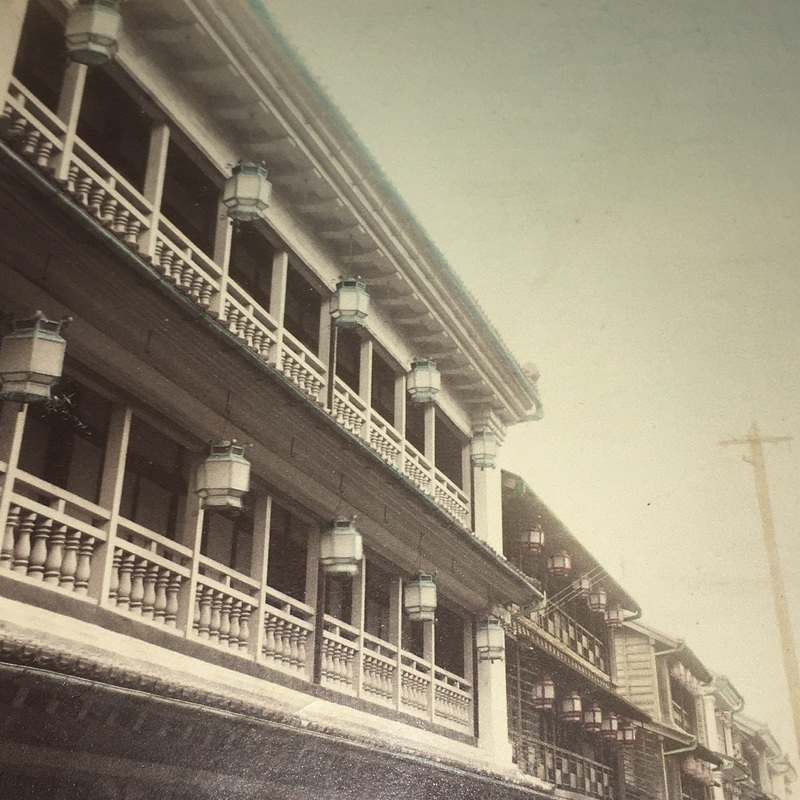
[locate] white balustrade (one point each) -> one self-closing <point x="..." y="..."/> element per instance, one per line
<point x="417" y="468"/>
<point x="301" y="366"/>
<point x="349" y="410"/>
<point x="248" y="322"/>
<point x="379" y="670"/>
<point x="288" y="631"/>
<point x="339" y="655"/>
<point x="452" y="700"/>
<point x="385" y="440"/>
<point x="452" y="499"/>
<point x="34" y="131"/>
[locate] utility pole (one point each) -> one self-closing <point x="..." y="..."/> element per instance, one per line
<point x="755" y="442"/>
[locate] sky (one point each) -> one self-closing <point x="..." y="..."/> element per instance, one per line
<point x="617" y="183"/>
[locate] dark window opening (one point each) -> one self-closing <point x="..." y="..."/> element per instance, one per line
<point x="288" y="551"/>
<point x="42" y="55"/>
<point x="449" y="449"/>
<point x="65" y="439"/>
<point x="377" y="603"/>
<point x="154" y="489"/>
<point x="339" y="598"/>
<point x="191" y="199"/>
<point x="415" y="424"/>
<point x="302" y="310"/>
<point x="683" y="707"/>
<point x="228" y="539"/>
<point x="449" y="638"/>
<point x="251" y="263"/>
<point x="115" y="126"/>
<point x="348" y="357"/>
<point x="413" y="637"/>
<point x="383" y="383"/>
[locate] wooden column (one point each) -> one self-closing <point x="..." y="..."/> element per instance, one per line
<point x="365" y="381"/>
<point x="111" y="484"/>
<point x="277" y="299"/>
<point x="69" y="110"/>
<point x="12" y="426"/>
<point x="154" y="185"/>
<point x="262" y="526"/>
<point x="396" y="634"/>
<point x="429" y="654"/>
<point x="359" y="602"/>
<point x="13" y="15"/>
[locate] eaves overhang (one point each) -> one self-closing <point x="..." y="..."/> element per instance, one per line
<point x="260" y="95"/>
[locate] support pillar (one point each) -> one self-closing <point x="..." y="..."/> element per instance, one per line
<point x="493" y="709"/>
<point x="487" y="502"/>
<point x="10" y="33"/>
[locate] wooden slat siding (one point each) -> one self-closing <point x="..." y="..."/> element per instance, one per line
<point x="644" y="776"/>
<point x="635" y="669"/>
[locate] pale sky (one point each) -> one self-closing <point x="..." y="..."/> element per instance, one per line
<point x="617" y="183"/>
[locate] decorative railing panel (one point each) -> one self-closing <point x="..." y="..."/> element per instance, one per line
<point x="452" y="699"/>
<point x="288" y="632"/>
<point x="564" y="769"/>
<point x="301" y="366"/>
<point x="385" y="440"/>
<point x="349" y="410"/>
<point x="417" y="468"/>
<point x="379" y="677"/>
<point x="251" y="324"/>
<point x="452" y="499"/>
<point x="574" y="636"/>
<point x="339" y="655"/>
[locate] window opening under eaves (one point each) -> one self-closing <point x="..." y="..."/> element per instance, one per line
<point x="302" y="310"/>
<point x="251" y="263"/>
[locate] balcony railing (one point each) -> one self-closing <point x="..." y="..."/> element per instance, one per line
<point x="61" y="542"/>
<point x="575" y="637"/>
<point x="42" y="138"/>
<point x="564" y="769"/>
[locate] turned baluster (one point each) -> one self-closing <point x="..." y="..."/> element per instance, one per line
<point x="197" y="287"/>
<point x="196" y="617"/>
<point x="301" y="648"/>
<point x="225" y="619"/>
<point x="160" y="602"/>
<point x="125" y="581"/>
<point x="216" y="615"/>
<point x="235" y="616"/>
<point x="22" y="547"/>
<point x="294" y="650"/>
<point x="132" y="231"/>
<point x="113" y="584"/>
<point x="244" y="627"/>
<point x="173" y="593"/>
<point x="83" y="188"/>
<point x="137" y="585"/>
<point x="72" y="177"/>
<point x="205" y="611"/>
<point x="55" y="555"/>
<point x="17" y="128"/>
<point x="7" y="553"/>
<point x="149" y="596"/>
<point x="38" y="556"/>
<point x="204" y="295"/>
<point x="96" y="195"/>
<point x="31" y="143"/>
<point x="43" y="153"/>
<point x="84" y="569"/>
<point x="269" y="636"/>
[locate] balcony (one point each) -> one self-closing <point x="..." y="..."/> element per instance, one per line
<point x="59" y="542"/>
<point x="40" y="137"/>
<point x="564" y="769"/>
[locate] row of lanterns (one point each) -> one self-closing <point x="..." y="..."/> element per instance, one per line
<point x="592" y="718"/>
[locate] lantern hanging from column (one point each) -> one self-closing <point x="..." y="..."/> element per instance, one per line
<point x="544" y="693"/>
<point x="490" y="640"/>
<point x="532" y="539"/>
<point x="224" y="477"/>
<point x="559" y="564"/>
<point x="615" y="616"/>
<point x="350" y="303"/>
<point x="609" y="726"/>
<point x="593" y="718"/>
<point x="341" y="547"/>
<point x="597" y="599"/>
<point x="92" y="31"/>
<point x="424" y="381"/>
<point x="626" y="735"/>
<point x="483" y="449"/>
<point x="247" y="192"/>
<point x="419" y="598"/>
<point x="582" y="585"/>
<point x="31" y="359"/>
<point x="572" y="708"/>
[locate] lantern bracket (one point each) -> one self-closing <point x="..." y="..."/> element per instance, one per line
<point x="534" y="608"/>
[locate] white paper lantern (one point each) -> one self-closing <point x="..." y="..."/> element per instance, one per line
<point x="544" y="693"/>
<point x="483" y="449"/>
<point x="598" y="599"/>
<point x="490" y="640"/>
<point x="92" y="31"/>
<point x="31" y="359"/>
<point x="424" y="381"/>
<point x="247" y="192"/>
<point x="350" y="303"/>
<point x="341" y="548"/>
<point x="419" y="598"/>
<point x="224" y="477"/>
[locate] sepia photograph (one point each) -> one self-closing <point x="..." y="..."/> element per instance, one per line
<point x="399" y="399"/>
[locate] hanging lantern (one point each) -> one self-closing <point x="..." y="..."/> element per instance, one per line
<point x="559" y="564"/>
<point x="572" y="708"/>
<point x="691" y="766"/>
<point x="593" y="718"/>
<point x="609" y="726"/>
<point x="532" y="539"/>
<point x="626" y="735"/>
<point x="224" y="477"/>
<point x="350" y="303"/>
<point x="247" y="192"/>
<point x="582" y="585"/>
<point x="419" y="598"/>
<point x="424" y="380"/>
<point x="31" y="359"/>
<point x="544" y="693"/>
<point x="597" y="599"/>
<point x="615" y="616"/>
<point x="490" y="640"/>
<point x="483" y="449"/>
<point x="341" y="547"/>
<point x="92" y="31"/>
